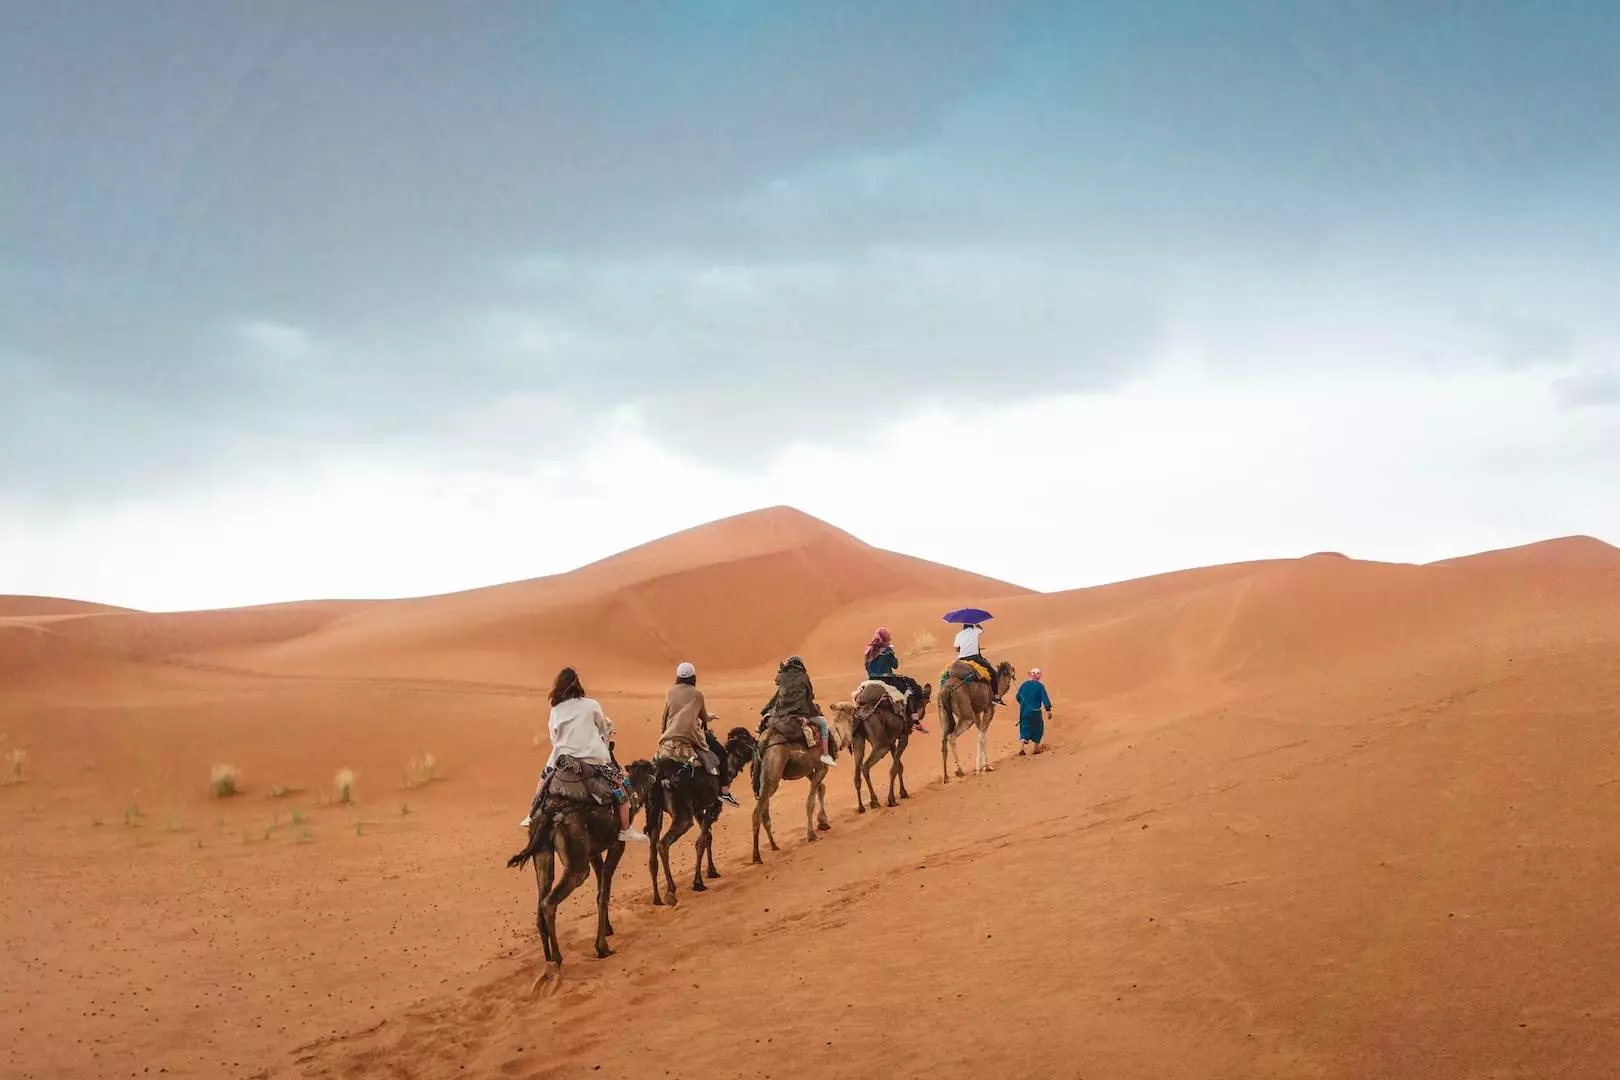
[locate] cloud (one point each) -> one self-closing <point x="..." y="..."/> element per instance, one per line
<point x="1595" y="387"/>
<point x="239" y="245"/>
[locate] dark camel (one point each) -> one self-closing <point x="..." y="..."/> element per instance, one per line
<point x="585" y="836"/>
<point x="691" y="796"/>
<point x="963" y="704"/>
<point x="784" y="755"/>
<point x="880" y="724"/>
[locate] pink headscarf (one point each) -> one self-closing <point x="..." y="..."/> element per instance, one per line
<point x="1035" y="673"/>
<point x="880" y="638"/>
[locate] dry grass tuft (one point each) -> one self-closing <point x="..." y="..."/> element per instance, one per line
<point x="344" y="782"/>
<point x="421" y="771"/>
<point x="224" y="780"/>
<point x="922" y="642"/>
<point x="16" y="765"/>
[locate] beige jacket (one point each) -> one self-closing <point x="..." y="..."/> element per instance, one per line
<point x="686" y="716"/>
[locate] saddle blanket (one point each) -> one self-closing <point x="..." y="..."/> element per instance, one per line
<point x="573" y="780"/>
<point x="968" y="669"/>
<point x="872" y="693"/>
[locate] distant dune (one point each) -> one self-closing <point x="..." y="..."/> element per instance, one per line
<point x="1311" y="817"/>
<point x="15" y="606"/>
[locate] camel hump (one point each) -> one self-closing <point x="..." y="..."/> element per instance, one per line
<point x="873" y="692"/>
<point x="968" y="670"/>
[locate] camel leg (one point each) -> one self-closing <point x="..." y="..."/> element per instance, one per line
<point x="572" y="877"/>
<point x="762" y="811"/>
<point x="956" y="755"/>
<point x="677" y="829"/>
<point x="865" y="770"/>
<point x="896" y="771"/>
<point x="759" y="814"/>
<point x="984" y="749"/>
<point x="545" y="868"/>
<point x="655" y="827"/>
<point x="857" y="748"/>
<point x="810" y="813"/>
<point x="708" y="851"/>
<point x="605" y="868"/>
<point x="944" y="758"/>
<point x="821" y="795"/>
<point x="704" y="837"/>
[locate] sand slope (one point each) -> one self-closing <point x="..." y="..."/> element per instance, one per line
<point x="1303" y="818"/>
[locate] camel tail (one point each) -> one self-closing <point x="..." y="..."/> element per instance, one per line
<point x="537" y="844"/>
<point x="754" y="774"/>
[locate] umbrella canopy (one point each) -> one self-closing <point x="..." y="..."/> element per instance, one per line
<point x="968" y="615"/>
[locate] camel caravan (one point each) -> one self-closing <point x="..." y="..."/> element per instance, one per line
<point x="582" y="813"/>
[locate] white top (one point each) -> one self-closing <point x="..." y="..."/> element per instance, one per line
<point x="967" y="641"/>
<point x="579" y="729"/>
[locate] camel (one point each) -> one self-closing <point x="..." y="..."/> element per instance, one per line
<point x="882" y="725"/>
<point x="585" y="836"/>
<point x="963" y="703"/>
<point x="690" y="795"/>
<point x="782" y="754"/>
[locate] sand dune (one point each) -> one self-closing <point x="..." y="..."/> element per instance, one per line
<point x="1313" y="817"/>
<point x="29" y="606"/>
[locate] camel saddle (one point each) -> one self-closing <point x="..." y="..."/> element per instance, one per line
<point x="576" y="781"/>
<point x="871" y="694"/>
<point x="969" y="670"/>
<point x="794" y="727"/>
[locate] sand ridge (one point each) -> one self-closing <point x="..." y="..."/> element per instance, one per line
<point x="1308" y="817"/>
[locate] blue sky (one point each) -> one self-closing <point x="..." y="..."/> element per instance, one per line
<point x="260" y="264"/>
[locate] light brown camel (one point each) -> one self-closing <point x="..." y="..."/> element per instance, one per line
<point x="873" y="720"/>
<point x="964" y="704"/>
<point x="783" y="754"/>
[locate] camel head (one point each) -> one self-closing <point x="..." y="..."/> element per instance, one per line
<point x="740" y="747"/>
<point x="1006" y="676"/>
<point x="922" y="706"/>
<point x="640" y="773"/>
<point x="842" y="724"/>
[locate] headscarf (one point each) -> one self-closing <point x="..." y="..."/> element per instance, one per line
<point x="1035" y="673"/>
<point x="880" y="639"/>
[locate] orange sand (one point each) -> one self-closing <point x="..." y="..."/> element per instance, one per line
<point x="1302" y="818"/>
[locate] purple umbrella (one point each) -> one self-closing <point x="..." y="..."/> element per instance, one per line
<point x="968" y="615"/>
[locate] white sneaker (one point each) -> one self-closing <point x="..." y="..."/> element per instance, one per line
<point x="827" y="760"/>
<point x="633" y="833"/>
<point x="527" y="822"/>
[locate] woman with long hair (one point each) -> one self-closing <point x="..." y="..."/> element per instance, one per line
<point x="580" y="729"/>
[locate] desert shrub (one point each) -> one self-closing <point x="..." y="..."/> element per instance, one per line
<point x="344" y="782"/>
<point x="223" y="780"/>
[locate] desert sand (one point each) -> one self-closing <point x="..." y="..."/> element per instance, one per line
<point x="1303" y="818"/>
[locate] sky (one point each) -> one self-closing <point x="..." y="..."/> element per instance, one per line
<point x="364" y="299"/>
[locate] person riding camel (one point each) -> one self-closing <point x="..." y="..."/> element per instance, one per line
<point x="883" y="665"/>
<point x="685" y="728"/>
<point x="795" y="697"/>
<point x="967" y="648"/>
<point x="580" y="729"/>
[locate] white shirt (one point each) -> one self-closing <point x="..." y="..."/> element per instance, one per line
<point x="579" y="729"/>
<point x="967" y="641"/>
